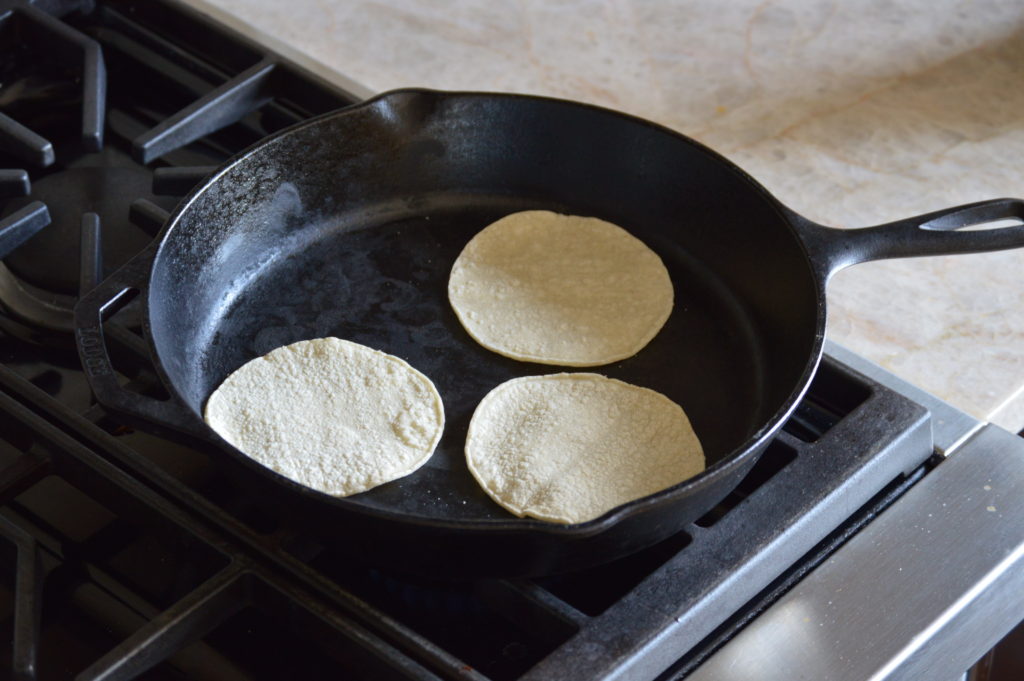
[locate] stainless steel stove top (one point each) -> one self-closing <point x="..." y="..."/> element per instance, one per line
<point x="920" y="593"/>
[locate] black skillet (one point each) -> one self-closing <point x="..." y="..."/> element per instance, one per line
<point x="347" y="225"/>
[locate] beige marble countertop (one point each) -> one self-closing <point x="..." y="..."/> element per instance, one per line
<point x="851" y="113"/>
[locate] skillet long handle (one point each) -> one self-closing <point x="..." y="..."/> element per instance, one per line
<point x="933" y="233"/>
<point x="90" y="311"/>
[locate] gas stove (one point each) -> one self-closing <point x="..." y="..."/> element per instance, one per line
<point x="881" y="526"/>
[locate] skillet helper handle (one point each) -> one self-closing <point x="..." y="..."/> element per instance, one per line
<point x="933" y="233"/>
<point x="92" y="308"/>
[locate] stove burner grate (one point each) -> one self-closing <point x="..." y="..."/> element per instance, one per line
<point x="230" y="578"/>
<point x="173" y="110"/>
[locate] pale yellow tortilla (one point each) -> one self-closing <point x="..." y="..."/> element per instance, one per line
<point x="330" y="414"/>
<point x="541" y="287"/>
<point x="568" y="448"/>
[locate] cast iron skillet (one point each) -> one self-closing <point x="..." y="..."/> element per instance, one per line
<point x="347" y="225"/>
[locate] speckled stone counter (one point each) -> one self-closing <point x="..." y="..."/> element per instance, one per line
<point x="852" y="113"/>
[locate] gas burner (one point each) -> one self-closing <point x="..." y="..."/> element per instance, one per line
<point x="76" y="225"/>
<point x="72" y="228"/>
<point x="50" y="259"/>
<point x="91" y="206"/>
<point x="52" y="98"/>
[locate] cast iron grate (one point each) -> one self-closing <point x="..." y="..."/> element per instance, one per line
<point x="130" y="104"/>
<point x="217" y="574"/>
